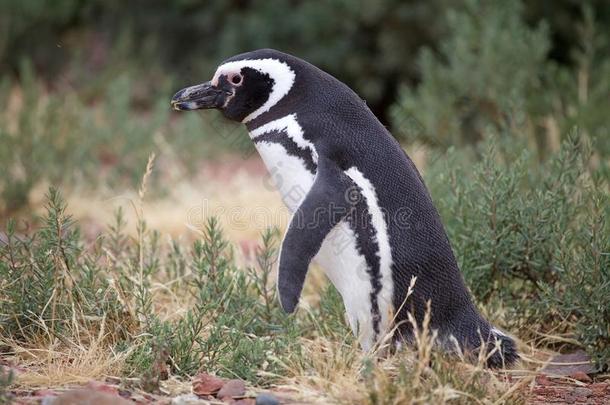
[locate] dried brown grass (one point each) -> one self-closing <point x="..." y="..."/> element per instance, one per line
<point x="331" y="369"/>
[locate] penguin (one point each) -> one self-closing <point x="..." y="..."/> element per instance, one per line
<point x="359" y="206"/>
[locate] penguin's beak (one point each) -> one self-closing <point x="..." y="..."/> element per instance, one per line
<point x="201" y="96"/>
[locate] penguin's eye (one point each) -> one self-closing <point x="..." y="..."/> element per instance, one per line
<point x="236" y="79"/>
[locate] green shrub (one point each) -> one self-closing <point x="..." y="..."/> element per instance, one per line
<point x="51" y="287"/>
<point x="55" y="290"/>
<point x="532" y="237"/>
<point x="582" y="294"/>
<point x="492" y="73"/>
<point x="235" y="328"/>
<point x="475" y="81"/>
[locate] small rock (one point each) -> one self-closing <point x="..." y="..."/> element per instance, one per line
<point x="567" y="364"/>
<point x="89" y="396"/>
<point x="582" y="392"/>
<point x="543" y="380"/>
<point x="266" y="399"/>
<point x="188" y="399"/>
<point x="580" y="376"/>
<point x="232" y="388"/>
<point x="245" y="401"/>
<point x="124" y="393"/>
<point x="206" y="384"/>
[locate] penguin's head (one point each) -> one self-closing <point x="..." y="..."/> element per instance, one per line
<point x="243" y="87"/>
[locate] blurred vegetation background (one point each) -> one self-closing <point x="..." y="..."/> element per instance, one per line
<point x="440" y="73"/>
<point x="507" y="101"/>
<point x="371" y="45"/>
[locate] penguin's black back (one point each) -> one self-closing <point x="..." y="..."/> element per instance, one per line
<point x="340" y="125"/>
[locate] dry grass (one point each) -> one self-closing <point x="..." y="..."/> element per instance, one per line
<point x="335" y="372"/>
<point x="76" y="358"/>
<point x="331" y="369"/>
<point x="244" y="204"/>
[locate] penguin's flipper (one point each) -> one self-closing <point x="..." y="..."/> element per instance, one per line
<point x="323" y="207"/>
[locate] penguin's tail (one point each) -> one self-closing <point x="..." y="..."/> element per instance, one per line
<point x="501" y="350"/>
<point x="479" y="341"/>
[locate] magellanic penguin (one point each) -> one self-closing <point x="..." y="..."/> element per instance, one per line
<point x="359" y="207"/>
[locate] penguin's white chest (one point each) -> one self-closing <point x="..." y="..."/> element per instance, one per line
<point x="287" y="174"/>
<point x="285" y="158"/>
<point x="346" y="267"/>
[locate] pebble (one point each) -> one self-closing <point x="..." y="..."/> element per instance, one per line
<point x="580" y="376"/>
<point x="582" y="392"/>
<point x="86" y="396"/>
<point x="188" y="399"/>
<point x="266" y="399"/>
<point x="232" y="388"/>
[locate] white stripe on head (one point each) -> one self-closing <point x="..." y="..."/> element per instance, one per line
<point x="283" y="79"/>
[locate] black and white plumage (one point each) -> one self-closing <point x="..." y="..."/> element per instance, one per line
<point x="360" y="207"/>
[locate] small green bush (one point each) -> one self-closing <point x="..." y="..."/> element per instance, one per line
<point x="475" y="81"/>
<point x="492" y="72"/>
<point x="235" y="328"/>
<point x="50" y="286"/>
<point x="582" y="295"/>
<point x="532" y="238"/>
<point x="52" y="289"/>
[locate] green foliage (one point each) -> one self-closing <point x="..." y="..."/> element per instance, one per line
<point x="526" y="234"/>
<point x="234" y="328"/>
<point x="52" y="289"/>
<point x="476" y="80"/>
<point x="582" y="294"/>
<point x="368" y="44"/>
<point x="329" y="317"/>
<point x="492" y="73"/>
